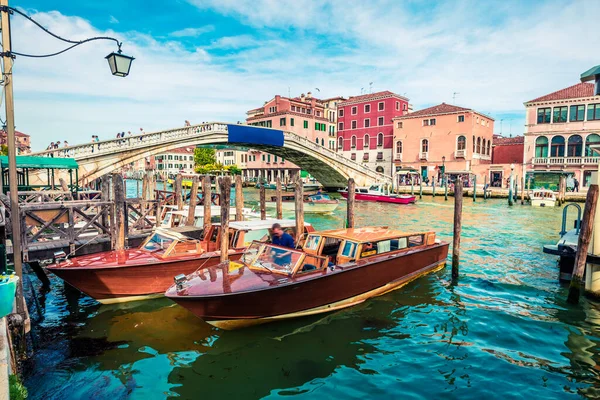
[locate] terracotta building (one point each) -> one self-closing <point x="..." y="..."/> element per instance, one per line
<point x="507" y="152"/>
<point x="365" y="128"/>
<point x="23" y="141"/>
<point x="560" y="127"/>
<point x="442" y="138"/>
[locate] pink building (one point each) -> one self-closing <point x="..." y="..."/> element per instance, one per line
<point x="365" y="128"/>
<point x="560" y="127"/>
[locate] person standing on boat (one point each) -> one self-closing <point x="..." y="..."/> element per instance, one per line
<point x="281" y="238"/>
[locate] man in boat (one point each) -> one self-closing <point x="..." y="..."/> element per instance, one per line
<point x="283" y="239"/>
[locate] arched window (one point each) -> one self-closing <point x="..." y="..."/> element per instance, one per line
<point x="317" y="140"/>
<point x="591" y="140"/>
<point x="379" y="169"/>
<point x="489" y="148"/>
<point x="424" y="145"/>
<point x="557" y="147"/>
<point x="340" y="142"/>
<point x="399" y="147"/>
<point x="353" y="141"/>
<point x="380" y="139"/>
<point x="574" y="146"/>
<point x="367" y="141"/>
<point x="473" y="144"/>
<point x="478" y="145"/>
<point x="541" y="146"/>
<point x="322" y="142"/>
<point x="461" y="143"/>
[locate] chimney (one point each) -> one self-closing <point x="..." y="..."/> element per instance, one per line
<point x="309" y="95"/>
<point x="302" y="96"/>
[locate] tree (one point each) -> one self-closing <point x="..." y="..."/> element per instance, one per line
<point x="204" y="156"/>
<point x="3" y="150"/>
<point x="234" y="170"/>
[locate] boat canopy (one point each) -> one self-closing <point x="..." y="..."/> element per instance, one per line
<point x="41" y="162"/>
<point x="363" y="235"/>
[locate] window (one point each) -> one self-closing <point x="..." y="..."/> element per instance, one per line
<point x="543" y="115"/>
<point x="560" y="114"/>
<point x="399" y="124"/>
<point x="424" y="145"/>
<point x="354" y="110"/>
<point x="305" y="124"/>
<point x="489" y="148"/>
<point x="268" y="158"/>
<point x="399" y="147"/>
<point x="380" y="156"/>
<point x="379" y="139"/>
<point x="380" y="121"/>
<point x="591" y="140"/>
<point x="340" y="142"/>
<point x="367" y="123"/>
<point x="461" y="143"/>
<point x="473" y="143"/>
<point x="281" y="121"/>
<point x="291" y="121"/>
<point x="341" y="112"/>
<point x="557" y="147"/>
<point x="379" y="169"/>
<point x="398" y="105"/>
<point x="340" y="126"/>
<point x="318" y="113"/>
<point x="593" y="112"/>
<point x="366" y="157"/>
<point x="353" y="156"/>
<point x="577" y="113"/>
<point x="317" y="140"/>
<point x="425" y="122"/>
<point x="308" y="111"/>
<point x="416" y="240"/>
<point x="461" y="118"/>
<point x="349" y="249"/>
<point x="432" y="121"/>
<point x="574" y="146"/>
<point x="353" y="142"/>
<point x="366" y="141"/>
<point x="478" y="145"/>
<point x="367" y="108"/>
<point x="263" y="157"/>
<point x="293" y="108"/>
<point x="380" y="106"/>
<point x="353" y="124"/>
<point x="541" y="146"/>
<point x="483" y="146"/>
<point x="322" y="142"/>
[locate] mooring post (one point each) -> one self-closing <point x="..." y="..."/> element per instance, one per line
<point x="585" y="235"/>
<point x="278" y="206"/>
<point x="563" y="188"/>
<point x="350" y="203"/>
<point x="239" y="199"/>
<point x="412" y="185"/>
<point x="119" y="218"/>
<point x="475" y="188"/>
<point x="445" y="189"/>
<point x="191" y="218"/>
<point x="522" y="190"/>
<point x="299" y="197"/>
<point x="516" y="191"/>
<point x="145" y="184"/>
<point x="178" y="188"/>
<point x="225" y="188"/>
<point x="105" y="196"/>
<point x="458" y="201"/>
<point x="433" y="187"/>
<point x="529" y="188"/>
<point x="137" y="188"/>
<point x="421" y="187"/>
<point x="206" y="197"/>
<point x="262" y="201"/>
<point x="484" y="187"/>
<point x="510" y="188"/>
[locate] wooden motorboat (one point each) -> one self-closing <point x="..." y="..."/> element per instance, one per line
<point x="307" y="187"/>
<point x="543" y="198"/>
<point x="334" y="269"/>
<point x="147" y="271"/>
<point x="379" y="193"/>
<point x="313" y="203"/>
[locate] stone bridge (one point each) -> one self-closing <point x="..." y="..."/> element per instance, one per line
<point x="328" y="167"/>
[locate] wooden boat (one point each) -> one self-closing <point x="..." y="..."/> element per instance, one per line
<point x="379" y="193"/>
<point x="335" y="269"/>
<point x="8" y="286"/>
<point x="313" y="203"/>
<point x="270" y="186"/>
<point x="147" y="271"/>
<point x="307" y="187"/>
<point x="543" y="198"/>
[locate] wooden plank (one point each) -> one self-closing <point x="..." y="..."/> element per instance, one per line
<point x="193" y="202"/>
<point x="239" y="199"/>
<point x="278" y="206"/>
<point x="206" y="195"/>
<point x="225" y="190"/>
<point x="299" y="193"/>
<point x="458" y="202"/>
<point x="350" y="205"/>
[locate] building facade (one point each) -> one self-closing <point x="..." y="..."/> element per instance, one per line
<point x="175" y="161"/>
<point x="23" y="141"/>
<point x="560" y="129"/>
<point x="444" y="138"/>
<point x="366" y="130"/>
<point x="507" y="157"/>
<point x="331" y="115"/>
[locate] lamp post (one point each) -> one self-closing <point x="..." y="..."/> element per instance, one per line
<point x="119" y="65"/>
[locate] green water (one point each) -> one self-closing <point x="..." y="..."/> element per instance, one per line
<point x="503" y="330"/>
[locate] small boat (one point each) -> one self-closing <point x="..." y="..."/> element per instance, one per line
<point x="147" y="271"/>
<point x="307" y="187"/>
<point x="334" y="269"/>
<point x="8" y="287"/>
<point x="313" y="203"/>
<point x="270" y="186"/>
<point x="543" y="198"/>
<point x="379" y="193"/>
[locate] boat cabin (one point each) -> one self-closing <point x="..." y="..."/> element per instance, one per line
<point x="543" y="194"/>
<point x="308" y="198"/>
<point x="168" y="243"/>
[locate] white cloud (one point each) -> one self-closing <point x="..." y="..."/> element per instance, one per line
<point x="192" y="32"/>
<point x="113" y="20"/>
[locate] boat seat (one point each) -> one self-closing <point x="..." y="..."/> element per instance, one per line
<point x="308" y="267"/>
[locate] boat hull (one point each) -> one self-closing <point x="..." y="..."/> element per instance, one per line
<point x="308" y="207"/>
<point x="117" y="284"/>
<point x="341" y="288"/>
<point x="381" y="198"/>
<point x="543" y="202"/>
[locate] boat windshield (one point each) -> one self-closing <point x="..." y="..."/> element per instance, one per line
<point x="158" y="243"/>
<point x="374" y="188"/>
<point x="318" y="197"/>
<point x="276" y="259"/>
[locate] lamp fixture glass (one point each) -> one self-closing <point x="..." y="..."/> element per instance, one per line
<point x="119" y="63"/>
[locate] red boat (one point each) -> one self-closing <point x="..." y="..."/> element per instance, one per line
<point x="380" y="194"/>
<point x="146" y="272"/>
<point x="335" y="269"/>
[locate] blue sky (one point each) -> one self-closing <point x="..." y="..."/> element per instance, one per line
<point x="206" y="60"/>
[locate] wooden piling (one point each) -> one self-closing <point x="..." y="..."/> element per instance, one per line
<point x="350" y="205"/>
<point x="299" y="197"/>
<point x="529" y="188"/>
<point x="421" y="187"/>
<point x="433" y="187"/>
<point x="484" y="187"/>
<point x="239" y="199"/>
<point x="516" y="191"/>
<point x="562" y="189"/>
<point x="191" y="218"/>
<point x="510" y="188"/>
<point x="412" y="185"/>
<point x="522" y="190"/>
<point x="206" y="196"/>
<point x="225" y="189"/>
<point x="105" y="196"/>
<point x="458" y="202"/>
<point x="262" y="201"/>
<point x="118" y="229"/>
<point x="178" y="188"/>
<point x="145" y="186"/>
<point x="475" y="188"/>
<point x="585" y="235"/>
<point x="278" y="206"/>
<point x="137" y="188"/>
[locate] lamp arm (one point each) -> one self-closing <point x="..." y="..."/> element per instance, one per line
<point x="74" y="42"/>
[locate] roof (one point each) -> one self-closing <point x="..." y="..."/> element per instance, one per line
<point x="181" y="150"/>
<point x="263" y="224"/>
<point x="506" y="141"/>
<point x="41" y="162"/>
<point x="590" y="74"/>
<point x="367" y="234"/>
<point x="576" y="91"/>
<point x="436" y="110"/>
<point x="371" y="96"/>
<point x="17" y="133"/>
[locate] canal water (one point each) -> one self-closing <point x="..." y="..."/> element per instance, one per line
<point x="503" y="330"/>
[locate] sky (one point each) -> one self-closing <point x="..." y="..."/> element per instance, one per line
<point x="212" y="60"/>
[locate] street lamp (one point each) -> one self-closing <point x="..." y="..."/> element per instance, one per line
<point x="119" y="65"/>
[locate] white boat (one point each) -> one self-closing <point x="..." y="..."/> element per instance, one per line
<point x="543" y="198"/>
<point x="313" y="203"/>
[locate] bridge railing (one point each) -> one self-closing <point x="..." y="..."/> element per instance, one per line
<point x="131" y="142"/>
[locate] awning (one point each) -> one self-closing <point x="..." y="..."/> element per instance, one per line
<point x="407" y="171"/>
<point x="41" y="162"/>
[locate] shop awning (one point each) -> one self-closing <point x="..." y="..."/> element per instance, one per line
<point x="41" y="162"/>
<point x="407" y="171"/>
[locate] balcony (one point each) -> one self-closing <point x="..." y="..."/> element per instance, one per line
<point x="424" y="155"/>
<point x="398" y="157"/>
<point x="460" y="154"/>
<point x="566" y="160"/>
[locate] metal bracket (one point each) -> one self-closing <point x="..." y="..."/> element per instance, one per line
<point x="8" y="54"/>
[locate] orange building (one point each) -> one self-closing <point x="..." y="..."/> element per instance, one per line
<point x="442" y="138"/>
